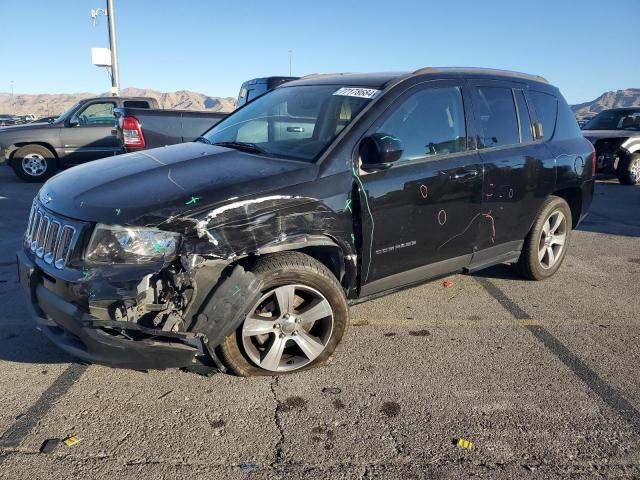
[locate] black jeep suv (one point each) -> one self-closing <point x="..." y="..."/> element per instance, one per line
<point x="243" y="251"/>
<point x="615" y="134"/>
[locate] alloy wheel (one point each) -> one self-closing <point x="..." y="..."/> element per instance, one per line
<point x="552" y="239"/>
<point x="34" y="164"/>
<point x="288" y="328"/>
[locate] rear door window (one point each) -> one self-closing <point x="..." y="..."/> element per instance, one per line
<point x="497" y="117"/>
<point x="546" y="107"/>
<point x="429" y="123"/>
<point x="526" y="132"/>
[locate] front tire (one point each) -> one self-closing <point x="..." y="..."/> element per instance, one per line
<point x="629" y="169"/>
<point x="34" y="163"/>
<point x="296" y="324"/>
<point x="546" y="244"/>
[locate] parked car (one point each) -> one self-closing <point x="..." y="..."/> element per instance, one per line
<point x="252" y="89"/>
<point x="615" y="134"/>
<point x="140" y="129"/>
<point x="7" y="120"/>
<point x="244" y="250"/>
<point x="85" y="132"/>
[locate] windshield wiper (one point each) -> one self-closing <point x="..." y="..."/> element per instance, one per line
<point x="243" y="146"/>
<point x="202" y="140"/>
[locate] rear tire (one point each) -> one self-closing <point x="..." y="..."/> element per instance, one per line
<point x="291" y="339"/>
<point x="546" y="243"/>
<point x="628" y="171"/>
<point x="34" y="163"/>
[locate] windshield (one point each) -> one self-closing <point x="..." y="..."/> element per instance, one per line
<point x="615" y="120"/>
<point x="297" y="122"/>
<point x="67" y="113"/>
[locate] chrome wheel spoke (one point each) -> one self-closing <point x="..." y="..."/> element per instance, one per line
<point x="318" y="310"/>
<point x="541" y="252"/>
<point x="546" y="229"/>
<point x="273" y="354"/>
<point x="285" y="296"/>
<point x="554" y="221"/>
<point x="558" y="239"/>
<point x="551" y="256"/>
<point x="256" y="325"/>
<point x="311" y="347"/>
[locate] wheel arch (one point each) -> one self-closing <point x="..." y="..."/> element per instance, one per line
<point x="18" y="145"/>
<point x="573" y="196"/>
<point x="323" y="248"/>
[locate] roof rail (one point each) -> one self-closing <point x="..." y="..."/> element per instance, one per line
<point x="324" y="74"/>
<point x="476" y="70"/>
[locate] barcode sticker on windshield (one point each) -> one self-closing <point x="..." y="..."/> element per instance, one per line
<point x="357" y="92"/>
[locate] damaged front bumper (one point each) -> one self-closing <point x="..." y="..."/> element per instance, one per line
<point x="113" y="343"/>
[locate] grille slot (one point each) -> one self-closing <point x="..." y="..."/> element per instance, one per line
<point x="50" y="237"/>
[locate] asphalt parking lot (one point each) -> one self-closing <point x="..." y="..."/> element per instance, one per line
<point x="542" y="378"/>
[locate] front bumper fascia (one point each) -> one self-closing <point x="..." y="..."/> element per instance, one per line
<point x="116" y="344"/>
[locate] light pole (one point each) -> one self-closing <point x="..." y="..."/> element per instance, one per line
<point x="290" y="55"/>
<point x="115" y="72"/>
<point x="110" y="12"/>
<point x="13" y="102"/>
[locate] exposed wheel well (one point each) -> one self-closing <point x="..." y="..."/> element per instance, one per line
<point x="330" y="256"/>
<point x="24" y="144"/>
<point x="573" y="196"/>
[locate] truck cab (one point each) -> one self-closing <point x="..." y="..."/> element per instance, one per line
<point x="85" y="132"/>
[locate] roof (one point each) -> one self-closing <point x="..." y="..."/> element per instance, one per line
<point x="382" y="79"/>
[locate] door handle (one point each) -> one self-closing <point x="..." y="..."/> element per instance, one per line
<point x="460" y="174"/>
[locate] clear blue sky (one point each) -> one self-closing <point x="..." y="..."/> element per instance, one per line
<point x="584" y="47"/>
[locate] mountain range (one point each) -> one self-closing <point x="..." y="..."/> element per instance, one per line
<point x="619" y="98"/>
<point x="54" y="104"/>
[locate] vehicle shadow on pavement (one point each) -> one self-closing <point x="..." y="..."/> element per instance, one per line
<point x="614" y="210"/>
<point x="502" y="271"/>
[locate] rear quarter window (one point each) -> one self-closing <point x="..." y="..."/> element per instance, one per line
<point x="566" y="125"/>
<point x="546" y="107"/>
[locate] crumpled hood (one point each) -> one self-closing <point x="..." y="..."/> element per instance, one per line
<point x="148" y="187"/>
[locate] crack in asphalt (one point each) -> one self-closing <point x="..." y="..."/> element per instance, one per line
<point x="279" y="457"/>
<point x="610" y="395"/>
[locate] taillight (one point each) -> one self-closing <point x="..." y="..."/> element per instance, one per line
<point x="132" y="132"/>
<point x="593" y="160"/>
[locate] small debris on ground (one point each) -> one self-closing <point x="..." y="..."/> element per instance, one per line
<point x="331" y="390"/>
<point x="419" y="333"/>
<point x="447" y="284"/>
<point x="390" y="409"/>
<point x="165" y="394"/>
<point x="49" y="445"/>
<point x="248" y="467"/>
<point x="71" y="440"/>
<point x="462" y="443"/>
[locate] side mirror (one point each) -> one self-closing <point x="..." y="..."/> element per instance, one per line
<point x="379" y="151"/>
<point x="538" y="133"/>
<point x="73" y="122"/>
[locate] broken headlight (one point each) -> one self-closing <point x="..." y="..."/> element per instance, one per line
<point x="131" y="245"/>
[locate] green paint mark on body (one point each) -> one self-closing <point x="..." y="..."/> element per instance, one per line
<point x="85" y="274"/>
<point x="117" y="211"/>
<point x="236" y="290"/>
<point x="347" y="205"/>
<point x="193" y="201"/>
